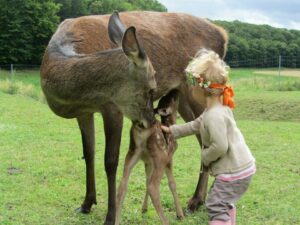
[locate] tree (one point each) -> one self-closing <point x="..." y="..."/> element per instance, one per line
<point x="75" y="8"/>
<point x="72" y="8"/>
<point x="26" y="27"/>
<point x="260" y="45"/>
<point x="108" y="6"/>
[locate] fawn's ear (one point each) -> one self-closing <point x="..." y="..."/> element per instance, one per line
<point x="132" y="48"/>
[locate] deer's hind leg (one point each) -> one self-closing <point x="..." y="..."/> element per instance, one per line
<point x="172" y="186"/>
<point x="200" y="193"/>
<point x="189" y="110"/>
<point x="86" y="125"/>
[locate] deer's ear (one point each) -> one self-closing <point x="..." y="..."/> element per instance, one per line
<point x="116" y="28"/>
<point x="132" y="48"/>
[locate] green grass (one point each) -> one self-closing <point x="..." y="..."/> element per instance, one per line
<point x="25" y="76"/>
<point x="42" y="175"/>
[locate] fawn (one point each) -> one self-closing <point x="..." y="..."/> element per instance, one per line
<point x="156" y="149"/>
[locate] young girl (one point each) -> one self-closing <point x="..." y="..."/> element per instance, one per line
<point x="224" y="149"/>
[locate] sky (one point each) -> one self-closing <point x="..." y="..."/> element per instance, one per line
<point x="277" y="13"/>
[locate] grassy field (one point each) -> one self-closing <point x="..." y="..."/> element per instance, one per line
<point x="42" y="175"/>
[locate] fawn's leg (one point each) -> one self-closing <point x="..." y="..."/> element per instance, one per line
<point x="148" y="171"/>
<point x="132" y="158"/>
<point x="86" y="125"/>
<point x="172" y="186"/>
<point x="153" y="190"/>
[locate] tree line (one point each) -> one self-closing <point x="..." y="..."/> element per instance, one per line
<point x="27" y="25"/>
<point x="261" y="45"/>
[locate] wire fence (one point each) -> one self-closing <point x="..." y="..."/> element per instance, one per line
<point x="264" y="62"/>
<point x="274" y="61"/>
<point x="281" y="67"/>
<point x="12" y="67"/>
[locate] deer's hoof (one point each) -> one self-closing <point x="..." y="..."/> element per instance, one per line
<point x="180" y="217"/>
<point x="144" y="210"/>
<point x="194" y="204"/>
<point x="110" y="221"/>
<point x="82" y="210"/>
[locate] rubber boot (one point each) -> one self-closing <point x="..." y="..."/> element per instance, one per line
<point x="232" y="214"/>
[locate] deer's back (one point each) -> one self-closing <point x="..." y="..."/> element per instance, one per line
<point x="170" y="40"/>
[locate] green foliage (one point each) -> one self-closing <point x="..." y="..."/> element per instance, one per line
<point x="75" y="8"/>
<point x="26" y="27"/>
<point x="71" y="8"/>
<point x="260" y="45"/>
<point x="108" y="6"/>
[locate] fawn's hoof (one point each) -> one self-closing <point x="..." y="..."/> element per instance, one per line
<point x="194" y="204"/>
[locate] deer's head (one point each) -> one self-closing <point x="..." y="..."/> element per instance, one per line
<point x="135" y="100"/>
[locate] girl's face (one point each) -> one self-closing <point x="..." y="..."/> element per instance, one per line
<point x="198" y="95"/>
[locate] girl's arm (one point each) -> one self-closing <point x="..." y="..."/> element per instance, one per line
<point x="186" y="129"/>
<point x="217" y="130"/>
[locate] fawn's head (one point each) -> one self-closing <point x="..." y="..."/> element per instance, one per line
<point x="167" y="108"/>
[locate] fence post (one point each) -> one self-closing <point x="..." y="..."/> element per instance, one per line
<point x="11" y="71"/>
<point x="279" y="70"/>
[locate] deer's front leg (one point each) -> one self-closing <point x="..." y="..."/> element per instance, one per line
<point x="113" y="123"/>
<point x="199" y="196"/>
<point x="86" y="125"/>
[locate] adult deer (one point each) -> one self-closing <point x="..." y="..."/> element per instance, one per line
<point x="78" y="80"/>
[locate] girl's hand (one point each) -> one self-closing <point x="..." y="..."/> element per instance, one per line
<point x="165" y="129"/>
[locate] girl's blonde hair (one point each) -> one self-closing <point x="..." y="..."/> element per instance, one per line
<point x="208" y="65"/>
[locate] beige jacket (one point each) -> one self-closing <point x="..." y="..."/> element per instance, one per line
<point x="224" y="149"/>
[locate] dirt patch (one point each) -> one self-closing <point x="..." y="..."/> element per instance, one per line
<point x="286" y="73"/>
<point x="14" y="170"/>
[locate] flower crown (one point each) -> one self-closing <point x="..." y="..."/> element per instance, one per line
<point x="194" y="81"/>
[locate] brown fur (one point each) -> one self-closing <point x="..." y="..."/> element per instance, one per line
<point x="170" y="40"/>
<point x="156" y="149"/>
